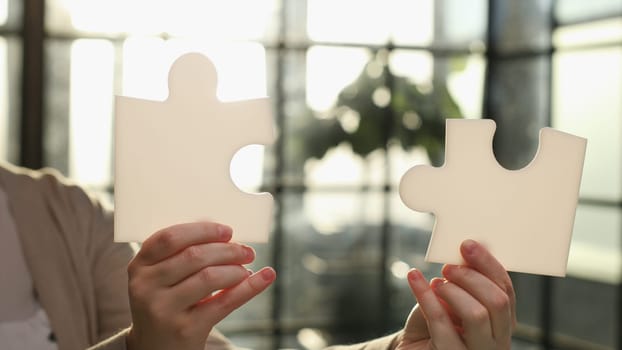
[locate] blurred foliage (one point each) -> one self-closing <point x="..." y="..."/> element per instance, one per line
<point x="416" y="116"/>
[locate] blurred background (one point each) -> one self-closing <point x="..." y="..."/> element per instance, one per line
<point x="361" y="91"/>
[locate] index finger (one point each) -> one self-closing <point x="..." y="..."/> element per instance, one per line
<point x="480" y="259"/>
<point x="173" y="239"/>
<point x="440" y="325"/>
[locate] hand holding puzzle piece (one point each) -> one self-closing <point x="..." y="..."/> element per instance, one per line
<point x="524" y="217"/>
<point x="173" y="157"/>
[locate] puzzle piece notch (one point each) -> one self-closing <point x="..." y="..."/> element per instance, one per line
<point x="524" y="216"/>
<point x="173" y="157"/>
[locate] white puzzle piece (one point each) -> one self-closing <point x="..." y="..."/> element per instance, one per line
<point x="524" y="217"/>
<point x="172" y="157"/>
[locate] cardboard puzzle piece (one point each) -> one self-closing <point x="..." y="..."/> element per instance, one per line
<point x="172" y="157"/>
<point x="524" y="217"/>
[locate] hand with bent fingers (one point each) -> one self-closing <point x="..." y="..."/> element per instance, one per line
<point x="472" y="308"/>
<point x="184" y="280"/>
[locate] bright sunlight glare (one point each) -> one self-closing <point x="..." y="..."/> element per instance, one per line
<point x="418" y="66"/>
<point x="4" y="11"/>
<point x="574" y="113"/>
<point x="221" y="20"/>
<point x="467" y="86"/>
<point x="346" y="210"/>
<point x="605" y="31"/>
<point x="373" y="22"/>
<point x="90" y="111"/>
<point x="241" y="67"/>
<point x="329" y="70"/>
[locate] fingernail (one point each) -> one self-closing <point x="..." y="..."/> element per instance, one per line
<point x="224" y="231"/>
<point x="250" y="272"/>
<point x="268" y="274"/>
<point x="448" y="269"/>
<point x="249" y="252"/>
<point x="469" y="246"/>
<point x="437" y="282"/>
<point x="414" y="275"/>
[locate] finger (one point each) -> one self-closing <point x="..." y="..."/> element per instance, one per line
<point x="222" y="304"/>
<point x="479" y="258"/>
<point x="488" y="293"/>
<point x="173" y="239"/>
<point x="434" y="284"/>
<point x="475" y="320"/>
<point x="196" y="257"/>
<point x="439" y="323"/>
<point x="205" y="282"/>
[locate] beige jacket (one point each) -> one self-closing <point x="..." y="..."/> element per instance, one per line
<point x="79" y="273"/>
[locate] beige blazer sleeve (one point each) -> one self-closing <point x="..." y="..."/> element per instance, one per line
<point x="215" y="341"/>
<point x="388" y="342"/>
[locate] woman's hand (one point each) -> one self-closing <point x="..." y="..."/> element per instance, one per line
<point x="473" y="307"/>
<point x="184" y="280"/>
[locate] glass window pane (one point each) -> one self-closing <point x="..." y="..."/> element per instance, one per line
<point x="10" y="14"/>
<point x="572" y="300"/>
<point x="90" y="111"/>
<point x="313" y="84"/>
<point x="56" y="100"/>
<point x="79" y="109"/>
<point x="329" y="70"/>
<point x="453" y="28"/>
<point x="596" y="247"/>
<point x="10" y="97"/>
<point x="426" y="92"/>
<point x="578" y="10"/>
<point x="342" y="167"/>
<point x="592" y="33"/>
<point x="403" y="22"/>
<point x="529" y="303"/>
<point x="231" y="20"/>
<point x="4" y="12"/>
<point x="519" y="100"/>
<point x="416" y="66"/>
<point x="331" y="260"/>
<point x="411" y="22"/>
<point x="521" y="25"/>
<point x="586" y="102"/>
<point x="370" y="22"/>
<point x="146" y="62"/>
<point x="414" y="108"/>
<point x="465" y="83"/>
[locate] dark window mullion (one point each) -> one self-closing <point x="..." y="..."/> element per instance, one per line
<point x="31" y="141"/>
<point x="546" y="315"/>
<point x="279" y="174"/>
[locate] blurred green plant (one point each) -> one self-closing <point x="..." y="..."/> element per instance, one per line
<point x="376" y="109"/>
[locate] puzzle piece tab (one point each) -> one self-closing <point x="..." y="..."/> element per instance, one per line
<point x="172" y="157"/>
<point x="524" y="217"/>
